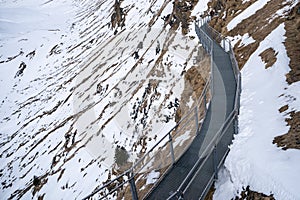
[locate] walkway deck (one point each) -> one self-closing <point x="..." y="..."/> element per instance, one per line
<point x="222" y="104"/>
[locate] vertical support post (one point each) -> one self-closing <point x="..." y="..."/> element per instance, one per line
<point x="235" y="124"/>
<point x="224" y="44"/>
<point x="171" y="148"/>
<point x="215" y="162"/>
<point x="212" y="73"/>
<point x="196" y="120"/>
<point x="204" y="100"/>
<point x="132" y="185"/>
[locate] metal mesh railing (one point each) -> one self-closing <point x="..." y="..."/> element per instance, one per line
<point x="215" y="152"/>
<point x="160" y="158"/>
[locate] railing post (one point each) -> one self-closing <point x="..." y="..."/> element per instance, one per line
<point x="215" y="162"/>
<point x="211" y="71"/>
<point x="171" y="148"/>
<point x="235" y="124"/>
<point x="196" y="119"/>
<point x="132" y="185"/>
<point x="204" y="101"/>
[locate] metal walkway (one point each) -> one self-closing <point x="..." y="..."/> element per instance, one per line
<point x="189" y="173"/>
<point x="184" y="180"/>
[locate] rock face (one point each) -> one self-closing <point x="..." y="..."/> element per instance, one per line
<point x="291" y="140"/>
<point x="248" y="194"/>
<point x="98" y="96"/>
<point x="226" y="11"/>
<point x="292" y="43"/>
<point x="257" y="27"/>
<point x="118" y="16"/>
<point x="181" y="15"/>
<point x="269" y="57"/>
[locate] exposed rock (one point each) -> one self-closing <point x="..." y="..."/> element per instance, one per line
<point x="269" y="57"/>
<point x="21" y="69"/>
<point x="181" y="15"/>
<point x="292" y="27"/>
<point x="259" y="30"/>
<point x="36" y="181"/>
<point x="118" y="16"/>
<point x="290" y="140"/>
<point x="194" y="81"/>
<point x="55" y="50"/>
<point x="248" y="194"/>
<point x="31" y="55"/>
<point x="283" y="108"/>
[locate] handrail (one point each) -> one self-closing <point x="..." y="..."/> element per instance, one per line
<point x="208" y="46"/>
<point x="230" y="51"/>
<point x="199" y="101"/>
<point x="206" y="152"/>
<point x="231" y="117"/>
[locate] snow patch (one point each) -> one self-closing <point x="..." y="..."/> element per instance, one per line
<point x="152" y="177"/>
<point x="251" y="10"/>
<point x="246" y="40"/>
<point x="253" y="159"/>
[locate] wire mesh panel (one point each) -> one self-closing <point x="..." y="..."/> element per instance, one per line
<point x="200" y="179"/>
<point x="146" y="175"/>
<point x="203" y="104"/>
<point x="137" y="181"/>
<point x="198" y="182"/>
<point x="184" y="134"/>
<point x="156" y="158"/>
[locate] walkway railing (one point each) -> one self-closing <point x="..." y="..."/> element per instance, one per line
<point x="213" y="151"/>
<point x="161" y="157"/>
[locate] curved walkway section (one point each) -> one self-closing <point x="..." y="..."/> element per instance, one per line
<point x="190" y="175"/>
<point x="193" y="174"/>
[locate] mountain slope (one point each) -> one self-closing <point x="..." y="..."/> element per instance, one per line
<point x="261" y="32"/>
<point x="89" y="87"/>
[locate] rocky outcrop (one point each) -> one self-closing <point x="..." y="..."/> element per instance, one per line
<point x="290" y="140"/>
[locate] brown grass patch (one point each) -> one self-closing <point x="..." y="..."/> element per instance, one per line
<point x="268" y="56"/>
<point x="292" y="27"/>
<point x="290" y="140"/>
<point x="210" y="193"/>
<point x="181" y="15"/>
<point x="226" y="11"/>
<point x="259" y="25"/>
<point x="194" y="81"/>
<point x="283" y="108"/>
<point x="248" y="194"/>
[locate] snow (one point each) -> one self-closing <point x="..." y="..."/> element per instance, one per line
<point x="55" y="98"/>
<point x="152" y="177"/>
<point x="285" y="10"/>
<point x="54" y="121"/>
<point x="181" y="139"/>
<point x="246" y="40"/>
<point x="200" y="7"/>
<point x="251" y="10"/>
<point x="190" y="103"/>
<point x="253" y="159"/>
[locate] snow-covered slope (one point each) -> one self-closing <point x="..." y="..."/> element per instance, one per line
<point x="253" y="159"/>
<point x="82" y="81"/>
